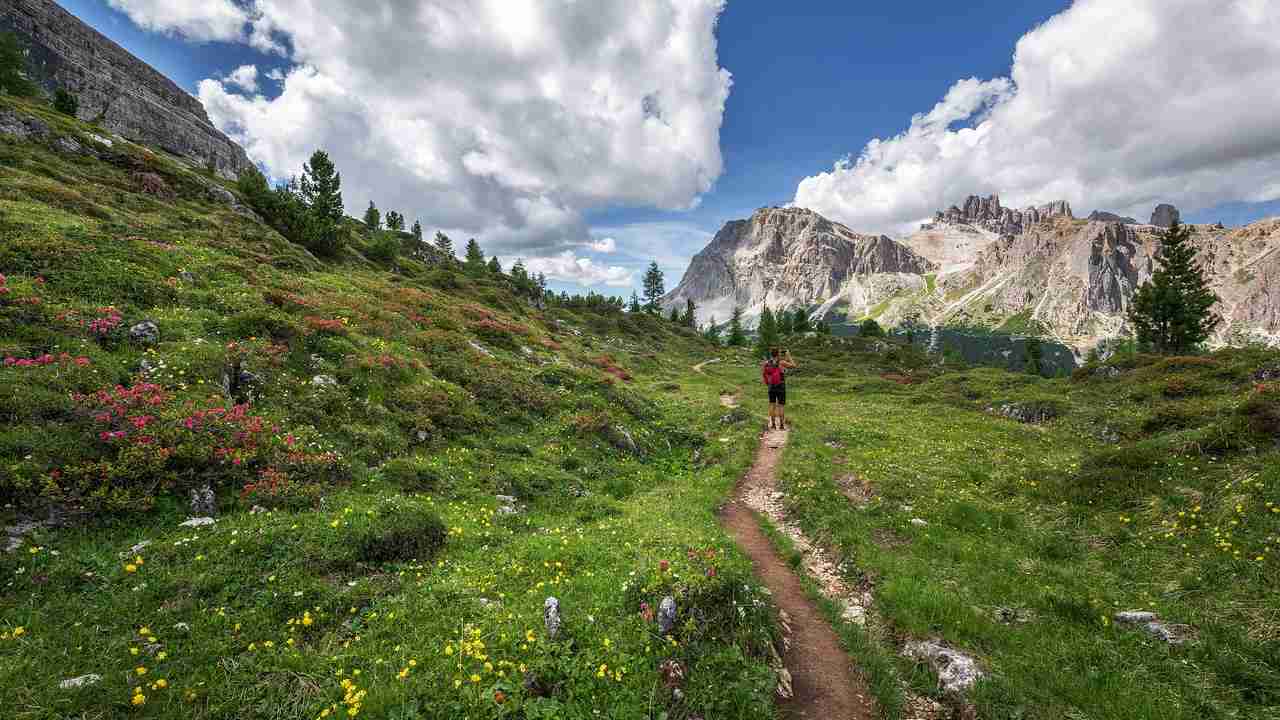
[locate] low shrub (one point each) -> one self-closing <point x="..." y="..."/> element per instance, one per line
<point x="1262" y="411"/>
<point x="414" y="474"/>
<point x="403" y="535"/>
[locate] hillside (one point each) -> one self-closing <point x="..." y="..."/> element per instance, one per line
<point x="406" y="462"/>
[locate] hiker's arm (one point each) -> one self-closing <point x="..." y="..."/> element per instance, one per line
<point x="789" y="362"/>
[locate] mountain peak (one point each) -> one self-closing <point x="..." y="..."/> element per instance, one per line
<point x="989" y="214"/>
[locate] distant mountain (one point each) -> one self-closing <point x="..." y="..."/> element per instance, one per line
<point x="979" y="264"/>
<point x="792" y="257"/>
<point x="1103" y="216"/>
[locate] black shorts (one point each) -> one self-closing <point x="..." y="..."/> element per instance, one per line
<point x="778" y="394"/>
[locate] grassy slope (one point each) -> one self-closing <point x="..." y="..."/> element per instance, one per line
<point x="1177" y="510"/>
<point x="267" y="615"/>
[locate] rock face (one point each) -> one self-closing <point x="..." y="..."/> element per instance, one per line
<point x="791" y="257"/>
<point x="1103" y="216"/>
<point x="1165" y="216"/>
<point x="988" y="214"/>
<point x="124" y="94"/>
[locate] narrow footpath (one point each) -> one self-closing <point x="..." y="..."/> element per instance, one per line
<point x="824" y="683"/>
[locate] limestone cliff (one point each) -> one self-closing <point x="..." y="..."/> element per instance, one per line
<point x="117" y="90"/>
<point x="791" y="257"/>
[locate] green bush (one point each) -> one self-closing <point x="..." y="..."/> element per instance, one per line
<point x="407" y="533"/>
<point x="66" y="103"/>
<point x="414" y="474"/>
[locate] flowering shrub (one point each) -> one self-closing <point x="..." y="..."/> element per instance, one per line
<point x="336" y="326"/>
<point x="46" y="360"/>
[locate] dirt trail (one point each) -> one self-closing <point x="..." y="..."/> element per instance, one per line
<point x="698" y="368"/>
<point x="823" y="679"/>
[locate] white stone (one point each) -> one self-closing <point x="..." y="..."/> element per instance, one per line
<point x="79" y="682"/>
<point x="197" y="522"/>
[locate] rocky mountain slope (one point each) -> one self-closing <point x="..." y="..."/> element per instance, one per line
<point x="790" y="257"/>
<point x="980" y="264"/>
<point x="116" y="90"/>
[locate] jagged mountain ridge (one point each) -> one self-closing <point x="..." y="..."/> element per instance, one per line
<point x="791" y="257"/>
<point x="980" y="264"/>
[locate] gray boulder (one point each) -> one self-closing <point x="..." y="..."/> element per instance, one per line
<point x="1269" y="373"/>
<point x="145" y="333"/>
<point x="666" y="615"/>
<point x="203" y="502"/>
<point x="551" y="617"/>
<point x="1150" y="622"/>
<point x="21" y="126"/>
<point x="1165" y="215"/>
<point x="956" y="671"/>
<point x="1027" y="413"/>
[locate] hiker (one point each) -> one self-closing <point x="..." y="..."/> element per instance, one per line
<point x="775" y="376"/>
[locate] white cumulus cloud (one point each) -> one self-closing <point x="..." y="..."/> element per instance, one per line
<point x="199" y="20"/>
<point x="505" y="120"/>
<point x="1110" y="105"/>
<point x="244" y="77"/>
<point x="566" y="267"/>
<point x="603" y="245"/>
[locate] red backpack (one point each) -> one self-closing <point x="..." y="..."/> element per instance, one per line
<point x="773" y="373"/>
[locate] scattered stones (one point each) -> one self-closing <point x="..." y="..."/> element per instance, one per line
<point x="70" y="146"/>
<point x="19" y="531"/>
<point x="666" y="615"/>
<point x="854" y="613"/>
<point x="919" y="522"/>
<point x="324" y="381"/>
<point x="105" y="142"/>
<point x="197" y="522"/>
<point x="187" y="277"/>
<point x="76" y="683"/>
<point x="1036" y="413"/>
<point x="956" y="671"/>
<point x="1149" y="621"/>
<point x="507" y="505"/>
<point x="551" y="617"/>
<point x="1269" y="373"/>
<point x="145" y="333"/>
<point x="203" y="502"/>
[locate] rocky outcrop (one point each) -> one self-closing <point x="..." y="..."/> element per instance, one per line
<point x="116" y="89"/>
<point x="792" y="257"/>
<point x="988" y="214"/>
<point x="1165" y="215"/>
<point x="1103" y="216"/>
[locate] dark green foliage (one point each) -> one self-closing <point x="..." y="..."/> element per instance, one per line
<point x="800" y="322"/>
<point x="674" y="316"/>
<point x="690" y="314"/>
<point x="767" y="332"/>
<point x="13" y="64"/>
<point x="1172" y="313"/>
<point x="321" y="191"/>
<point x="395" y="221"/>
<point x="385" y="247"/>
<point x="409" y="534"/>
<point x="414" y="474"/>
<point x="445" y="245"/>
<point x="66" y="103"/>
<point x="372" y="218"/>
<point x="786" y="323"/>
<point x="417" y="232"/>
<point x="1034" y="356"/>
<point x="712" y="331"/>
<point x="737" y="337"/>
<point x="474" y="262"/>
<point x="654" y="287"/>
<point x="495" y="267"/>
<point x="634" y="306"/>
<point x="870" y="329"/>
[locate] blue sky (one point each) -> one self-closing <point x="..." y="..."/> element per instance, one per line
<point x="812" y="83"/>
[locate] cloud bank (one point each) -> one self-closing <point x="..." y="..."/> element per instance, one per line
<point x="1110" y="105"/>
<point x="506" y="120"/>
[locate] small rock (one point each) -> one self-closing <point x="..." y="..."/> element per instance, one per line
<point x="855" y="614"/>
<point x="551" y="617"/>
<point x="956" y="671"/>
<point x="1134" y="616"/>
<point x="1027" y="413"/>
<point x="919" y="522"/>
<point x="257" y="510"/>
<point x="197" y="522"/>
<point x="1269" y="373"/>
<point x="79" y="682"/>
<point x="145" y="333"/>
<point x="106" y="142"/>
<point x="69" y="146"/>
<point x="480" y="348"/>
<point x="666" y="615"/>
<point x="324" y="381"/>
<point x="187" y="277"/>
<point x="1150" y="622"/>
<point x="182" y="626"/>
<point x="139" y="547"/>
<point x="203" y="502"/>
<point x="624" y="441"/>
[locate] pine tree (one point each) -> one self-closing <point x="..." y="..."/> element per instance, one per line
<point x="767" y="332"/>
<point x="712" y="331"/>
<point x="66" y="103"/>
<point x="495" y="267"/>
<point x="800" y="322"/>
<point x="737" y="338"/>
<point x="474" y="263"/>
<point x="1034" y="354"/>
<point x="784" y="319"/>
<point x="321" y="191"/>
<point x="372" y="218"/>
<point x="690" y="313"/>
<point x="1172" y="312"/>
<point x="634" y="306"/>
<point x="674" y="316"/>
<point x="444" y="245"/>
<point x="417" y="231"/>
<point x="654" y="287"/>
<point x="13" y="64"/>
<point x="395" y="221"/>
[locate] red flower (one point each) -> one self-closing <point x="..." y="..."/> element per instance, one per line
<point x="663" y="566"/>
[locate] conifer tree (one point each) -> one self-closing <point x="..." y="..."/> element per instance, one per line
<point x="712" y="331"/>
<point x="417" y="231"/>
<point x="784" y="318"/>
<point x="767" y="332"/>
<point x="690" y="313"/>
<point x="800" y="322"/>
<point x="13" y="63"/>
<point x="737" y="337"/>
<point x="372" y="218"/>
<point x="321" y="191"/>
<point x="395" y="221"/>
<point x="674" y="316"/>
<point x="654" y="287"/>
<point x="474" y="263"/>
<point x="444" y="245"/>
<point x="495" y="267"/>
<point x="1172" y="313"/>
<point x="634" y="306"/>
<point x="1034" y="355"/>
